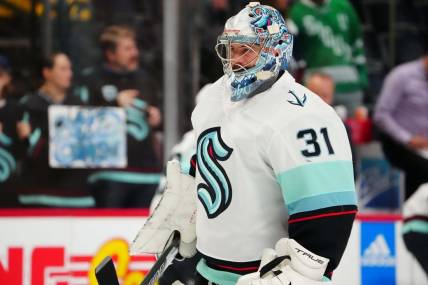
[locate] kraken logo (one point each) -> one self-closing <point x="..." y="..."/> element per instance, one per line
<point x="216" y="194"/>
<point x="7" y="165"/>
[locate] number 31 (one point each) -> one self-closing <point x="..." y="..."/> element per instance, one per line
<point x="310" y="137"/>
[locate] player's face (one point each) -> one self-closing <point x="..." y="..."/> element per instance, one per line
<point x="61" y="73"/>
<point x="126" y="55"/>
<point x="243" y="56"/>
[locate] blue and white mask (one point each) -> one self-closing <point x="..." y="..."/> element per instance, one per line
<point x="254" y="48"/>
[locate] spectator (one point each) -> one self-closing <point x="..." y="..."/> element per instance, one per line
<point x="121" y="82"/>
<point x="402" y="118"/>
<point x="323" y="85"/>
<point x="46" y="186"/>
<point x="328" y="38"/>
<point x="9" y="142"/>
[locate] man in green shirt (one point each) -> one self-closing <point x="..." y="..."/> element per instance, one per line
<point x="328" y="39"/>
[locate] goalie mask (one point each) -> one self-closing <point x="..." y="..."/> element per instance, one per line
<point x="254" y="48"/>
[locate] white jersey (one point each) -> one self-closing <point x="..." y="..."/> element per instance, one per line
<point x="279" y="153"/>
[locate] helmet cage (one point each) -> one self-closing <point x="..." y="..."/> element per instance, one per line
<point x="251" y="45"/>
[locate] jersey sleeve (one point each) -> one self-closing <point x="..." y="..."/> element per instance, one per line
<point x="312" y="162"/>
<point x="35" y="140"/>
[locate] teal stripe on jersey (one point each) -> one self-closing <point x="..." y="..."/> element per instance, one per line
<point x="5" y="140"/>
<point x="416" y="226"/>
<point x="216" y="276"/>
<point x="323" y="201"/>
<point x="9" y="158"/>
<point x="34" y="139"/>
<point x="316" y="179"/>
<point x="56" y="201"/>
<point x="141" y="104"/>
<point x="125" y="177"/>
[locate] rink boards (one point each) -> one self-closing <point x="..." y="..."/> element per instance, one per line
<point x="61" y="247"/>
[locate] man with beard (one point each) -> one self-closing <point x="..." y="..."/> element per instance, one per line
<point x="121" y="82"/>
<point x="272" y="200"/>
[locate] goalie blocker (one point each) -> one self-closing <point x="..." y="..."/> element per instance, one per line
<point x="175" y="212"/>
<point x="169" y="230"/>
<point x="289" y="264"/>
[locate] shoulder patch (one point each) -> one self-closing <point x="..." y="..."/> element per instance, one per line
<point x="296" y="100"/>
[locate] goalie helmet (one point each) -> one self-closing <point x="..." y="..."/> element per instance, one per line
<point x="254" y="48"/>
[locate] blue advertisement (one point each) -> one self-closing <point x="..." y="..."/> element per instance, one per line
<point x="378" y="254"/>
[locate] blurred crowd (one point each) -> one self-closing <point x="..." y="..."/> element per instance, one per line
<point x="333" y="56"/>
<point x="29" y="179"/>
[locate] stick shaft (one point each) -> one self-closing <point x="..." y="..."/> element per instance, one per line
<point x="162" y="263"/>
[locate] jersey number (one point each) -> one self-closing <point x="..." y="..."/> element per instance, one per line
<point x="310" y="137"/>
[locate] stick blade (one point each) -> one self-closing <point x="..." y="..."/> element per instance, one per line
<point x="106" y="273"/>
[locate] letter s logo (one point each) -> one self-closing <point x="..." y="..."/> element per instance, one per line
<point x="216" y="193"/>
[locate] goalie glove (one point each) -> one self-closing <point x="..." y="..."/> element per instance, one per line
<point x="289" y="264"/>
<point x="176" y="211"/>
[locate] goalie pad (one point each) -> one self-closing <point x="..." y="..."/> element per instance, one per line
<point x="176" y="211"/>
<point x="289" y="264"/>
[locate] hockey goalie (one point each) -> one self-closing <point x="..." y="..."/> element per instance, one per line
<point x="270" y="196"/>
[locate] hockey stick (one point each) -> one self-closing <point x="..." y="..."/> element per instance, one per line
<point x="163" y="261"/>
<point x="106" y="273"/>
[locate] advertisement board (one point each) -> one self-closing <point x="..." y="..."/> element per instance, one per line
<point x="49" y="247"/>
<point x="62" y="247"/>
<point x="376" y="254"/>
